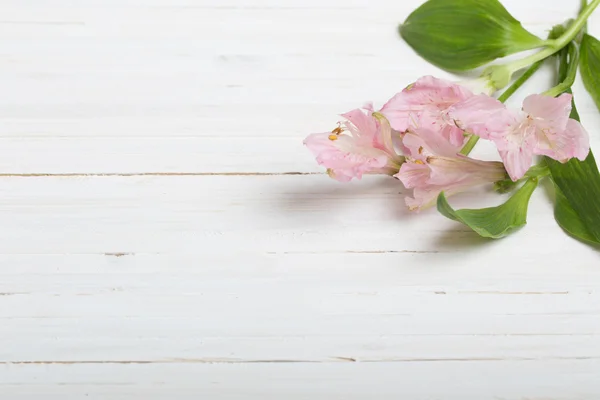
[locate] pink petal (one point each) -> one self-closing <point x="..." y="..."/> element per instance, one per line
<point x="454" y="135"/>
<point x="466" y="170"/>
<point x="550" y="112"/>
<point x="413" y="175"/>
<point x="422" y="198"/>
<point x="446" y="171"/>
<point x="424" y="142"/>
<point x="434" y="120"/>
<point x="368" y="106"/>
<point x="580" y="139"/>
<point x="562" y="146"/>
<point x="341" y="175"/>
<point x="345" y="156"/>
<point x="363" y="125"/>
<point x="447" y="91"/>
<point x="401" y="114"/>
<point x="406" y="108"/>
<point x="482" y="115"/>
<point x="517" y="160"/>
<point x="451" y="175"/>
<point x="318" y="143"/>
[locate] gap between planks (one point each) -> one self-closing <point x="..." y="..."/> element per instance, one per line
<point x="102" y="174"/>
<point x="291" y="361"/>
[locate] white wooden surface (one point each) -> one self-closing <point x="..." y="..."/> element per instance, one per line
<point x="165" y="235"/>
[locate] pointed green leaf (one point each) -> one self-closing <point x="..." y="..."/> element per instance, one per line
<point x="569" y="221"/>
<point x="579" y="183"/>
<point x="459" y="35"/>
<point x="577" y="204"/>
<point x="493" y="222"/>
<point x="590" y="66"/>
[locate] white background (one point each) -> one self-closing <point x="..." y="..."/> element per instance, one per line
<point x="164" y="234"/>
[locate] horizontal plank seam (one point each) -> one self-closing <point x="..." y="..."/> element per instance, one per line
<point x="92" y="174"/>
<point x="290" y="361"/>
<point x="359" y="252"/>
<point x="269" y="253"/>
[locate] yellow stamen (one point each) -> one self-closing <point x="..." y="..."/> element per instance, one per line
<point x="419" y="162"/>
<point x="337" y="130"/>
<point x="333" y="137"/>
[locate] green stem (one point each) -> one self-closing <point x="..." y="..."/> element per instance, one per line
<point x="468" y="147"/>
<point x="569" y="74"/>
<point x="520" y="81"/>
<point x="576" y="26"/>
<point x="582" y="6"/>
<point x="535" y="61"/>
<point x="524" y="62"/>
<point x="556" y="44"/>
<point x="563" y="65"/>
<point x="537" y="171"/>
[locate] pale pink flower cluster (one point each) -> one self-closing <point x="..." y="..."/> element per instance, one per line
<point x="542" y="127"/>
<point x="418" y="134"/>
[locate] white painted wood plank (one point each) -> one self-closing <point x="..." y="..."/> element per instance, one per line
<point x="243" y="287"/>
<point x="114" y="155"/>
<point x="213" y="214"/>
<point x="147" y="339"/>
<point x="206" y="155"/>
<point x="247" y="269"/>
<point x="105" y="87"/>
<point x="483" y="380"/>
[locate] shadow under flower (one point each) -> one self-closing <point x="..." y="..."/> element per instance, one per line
<point x="377" y="204"/>
<point x="379" y="194"/>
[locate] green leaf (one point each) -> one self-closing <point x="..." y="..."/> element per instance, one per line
<point x="459" y="35"/>
<point x="569" y="221"/>
<point x="577" y="183"/>
<point x="493" y="222"/>
<point x="590" y="66"/>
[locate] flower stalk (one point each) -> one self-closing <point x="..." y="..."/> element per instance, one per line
<point x="501" y="75"/>
<point x="567" y="82"/>
<point x="423" y="135"/>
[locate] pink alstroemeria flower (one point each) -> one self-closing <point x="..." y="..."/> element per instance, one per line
<point x="367" y="149"/>
<point x="425" y="104"/>
<point x="543" y="128"/>
<point x="433" y="165"/>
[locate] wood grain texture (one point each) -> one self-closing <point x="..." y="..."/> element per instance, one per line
<point x="165" y="235"/>
<point x="343" y="380"/>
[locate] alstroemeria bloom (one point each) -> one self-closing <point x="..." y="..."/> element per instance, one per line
<point x="433" y="165"/>
<point x="425" y="104"/>
<point x="367" y="149"/>
<point x="543" y="127"/>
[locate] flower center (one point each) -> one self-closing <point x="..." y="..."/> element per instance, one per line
<point x="521" y="133"/>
